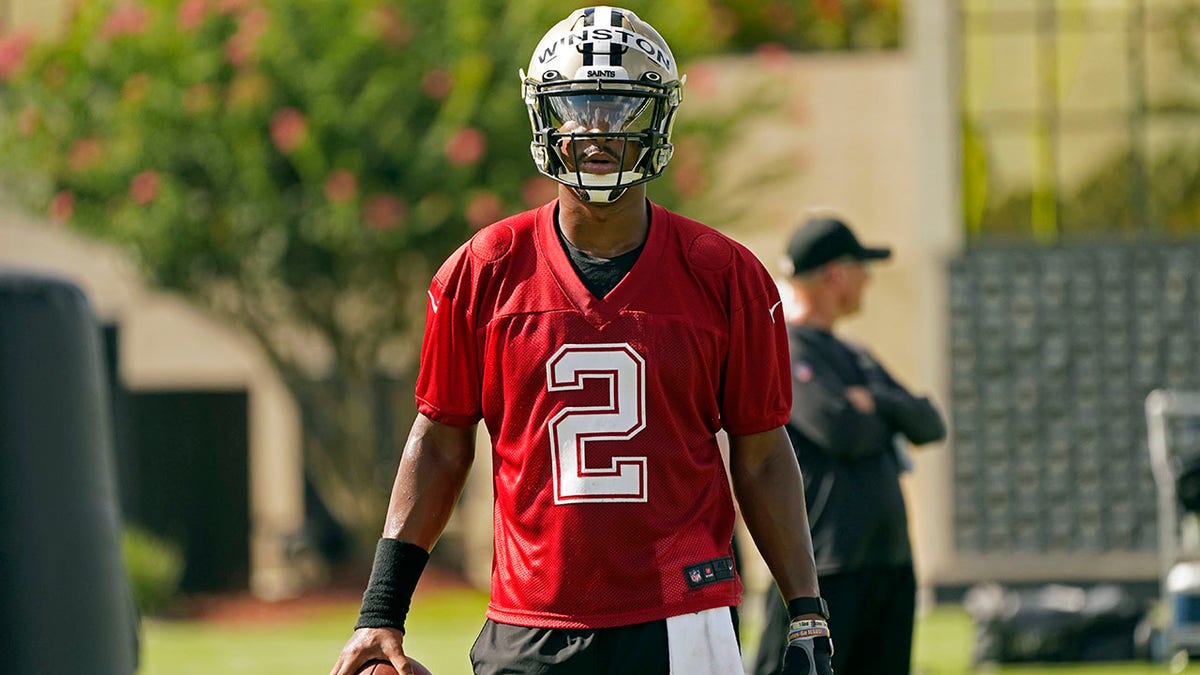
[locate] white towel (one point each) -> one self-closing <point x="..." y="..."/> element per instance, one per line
<point x="704" y="644"/>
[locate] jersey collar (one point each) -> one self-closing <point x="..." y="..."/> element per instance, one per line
<point x="599" y="311"/>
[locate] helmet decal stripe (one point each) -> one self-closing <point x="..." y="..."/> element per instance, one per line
<point x="603" y="48"/>
<point x="616" y="20"/>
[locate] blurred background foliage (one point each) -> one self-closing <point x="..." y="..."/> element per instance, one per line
<point x="298" y="168"/>
<point x="1079" y="120"/>
<point x="155" y="568"/>
<point x="811" y="25"/>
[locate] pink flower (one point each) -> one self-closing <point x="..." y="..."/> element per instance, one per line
<point x="384" y="211"/>
<point x="394" y="30"/>
<point x="242" y="45"/>
<point x="437" y="83"/>
<point x="537" y="190"/>
<point x="84" y="154"/>
<point x="62" y="206"/>
<point x="341" y="186"/>
<point x="255" y="20"/>
<point x="191" y="14"/>
<point x="289" y="130"/>
<point x="483" y="209"/>
<point x="127" y="19"/>
<point x="237" y="52"/>
<point x="13" y="49"/>
<point x="466" y="146"/>
<point x="144" y="187"/>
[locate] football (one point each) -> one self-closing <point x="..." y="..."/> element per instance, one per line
<point x="385" y="668"/>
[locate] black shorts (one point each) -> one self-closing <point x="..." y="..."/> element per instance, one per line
<point x="638" y="649"/>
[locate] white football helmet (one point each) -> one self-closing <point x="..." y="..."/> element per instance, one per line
<point x="602" y="91"/>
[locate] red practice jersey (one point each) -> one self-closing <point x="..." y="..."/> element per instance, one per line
<point x="612" y="505"/>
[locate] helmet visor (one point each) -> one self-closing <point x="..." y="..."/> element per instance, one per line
<point x="604" y="113"/>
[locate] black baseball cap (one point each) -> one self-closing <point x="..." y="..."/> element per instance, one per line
<point x="824" y="239"/>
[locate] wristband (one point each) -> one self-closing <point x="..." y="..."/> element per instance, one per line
<point x="803" y="629"/>
<point x="398" y="566"/>
<point x="801" y="606"/>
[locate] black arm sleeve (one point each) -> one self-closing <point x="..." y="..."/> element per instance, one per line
<point x="913" y="416"/>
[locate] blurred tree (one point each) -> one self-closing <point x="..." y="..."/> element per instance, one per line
<point x="296" y="167"/>
<point x="810" y="25"/>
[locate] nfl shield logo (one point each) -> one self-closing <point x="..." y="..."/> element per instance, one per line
<point x="804" y="372"/>
<point x="695" y="574"/>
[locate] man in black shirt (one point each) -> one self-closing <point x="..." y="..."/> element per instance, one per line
<point x="847" y="413"/>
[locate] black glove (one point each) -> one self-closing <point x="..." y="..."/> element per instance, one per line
<point x="809" y="648"/>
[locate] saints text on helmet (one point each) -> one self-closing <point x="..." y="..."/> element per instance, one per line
<point x="624" y="37"/>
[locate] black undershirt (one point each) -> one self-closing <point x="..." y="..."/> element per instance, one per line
<point x="599" y="275"/>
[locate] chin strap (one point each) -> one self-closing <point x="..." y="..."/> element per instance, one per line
<point x="599" y="196"/>
<point x="603" y="188"/>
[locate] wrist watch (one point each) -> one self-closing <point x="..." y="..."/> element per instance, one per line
<point x="806" y="605"/>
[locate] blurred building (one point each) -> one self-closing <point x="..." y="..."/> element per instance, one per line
<point x="1075" y="291"/>
<point x="208" y="439"/>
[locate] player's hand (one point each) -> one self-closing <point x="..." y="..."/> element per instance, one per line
<point x="810" y="656"/>
<point x="370" y="644"/>
<point x="809" y="649"/>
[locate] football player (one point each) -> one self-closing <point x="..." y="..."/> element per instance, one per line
<point x="605" y="342"/>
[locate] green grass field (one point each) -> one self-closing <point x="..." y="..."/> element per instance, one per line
<point x="443" y="626"/>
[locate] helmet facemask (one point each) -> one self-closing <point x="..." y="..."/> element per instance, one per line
<point x="601" y="131"/>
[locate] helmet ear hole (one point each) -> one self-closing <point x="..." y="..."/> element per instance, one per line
<point x="541" y="158"/>
<point x="662" y="156"/>
<point x="651" y="76"/>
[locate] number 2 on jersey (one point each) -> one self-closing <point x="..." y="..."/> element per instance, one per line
<point x="624" y="478"/>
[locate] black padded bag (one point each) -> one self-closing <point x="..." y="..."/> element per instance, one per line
<point x="65" y="604"/>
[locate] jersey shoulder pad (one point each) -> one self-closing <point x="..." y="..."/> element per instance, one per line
<point x="706" y="248"/>
<point x="494" y="241"/>
<point x="710" y="251"/>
